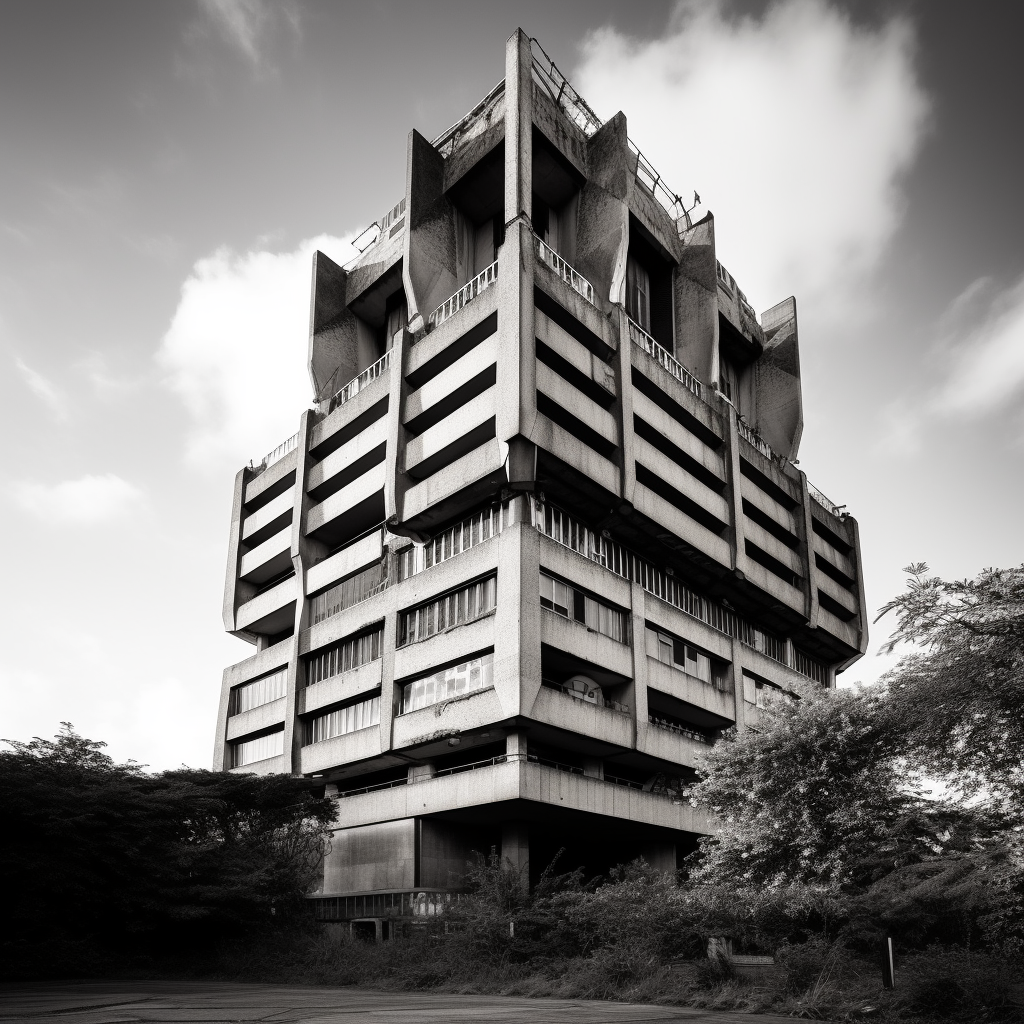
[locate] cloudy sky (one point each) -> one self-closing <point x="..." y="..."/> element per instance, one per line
<point x="167" y="168"/>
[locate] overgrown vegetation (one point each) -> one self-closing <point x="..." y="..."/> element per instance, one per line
<point x="829" y="840"/>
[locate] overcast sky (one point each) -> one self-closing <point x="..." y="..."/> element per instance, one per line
<point x="166" y="169"/>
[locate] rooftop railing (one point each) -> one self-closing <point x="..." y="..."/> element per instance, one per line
<point x="277" y="454"/>
<point x="446" y="142"/>
<point x="465" y="295"/>
<point x="356" y="384"/>
<point x="839" y="511"/>
<point x="756" y="440"/>
<point x="577" y="282"/>
<point x="643" y="340"/>
<point x="371" y="235"/>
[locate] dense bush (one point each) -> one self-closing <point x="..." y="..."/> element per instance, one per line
<point x="950" y="981"/>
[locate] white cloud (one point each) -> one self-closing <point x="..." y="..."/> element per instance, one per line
<point x="796" y="127"/>
<point x="43" y="388"/>
<point x="235" y="351"/>
<point x="243" y="23"/>
<point x="985" y="367"/>
<point x="86" y="501"/>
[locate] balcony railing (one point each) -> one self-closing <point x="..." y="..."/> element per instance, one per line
<point x="756" y="440"/>
<point x="839" y="511"/>
<point x="679" y="730"/>
<point x="568" y="531"/>
<point x="464" y="296"/>
<point x="577" y="282"/>
<point x="277" y="454"/>
<point x="668" y="362"/>
<point x="356" y="384"/>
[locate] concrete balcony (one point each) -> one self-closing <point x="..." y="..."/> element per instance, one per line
<point x="670" y="746"/>
<point x="256" y="719"/>
<point x="268" y="766"/>
<point x="655" y="507"/>
<point x="771" y="545"/>
<point x="272" y="479"/>
<point x="268" y="519"/>
<point x="349" y="461"/>
<point x="444" y="648"/>
<point x="685" y="483"/>
<point x="586" y="644"/>
<point x="517" y="783"/>
<point x="557" y="709"/>
<point x="339" y="750"/>
<point x="579" y="405"/>
<point x="371" y="398"/>
<point x="765" y="503"/>
<point x="458" y="434"/>
<point x="838" y="594"/>
<point x="362" y="680"/>
<point x="676" y="683"/>
<point x="777" y="588"/>
<point x="345" y="509"/>
<point x="345" y="562"/>
<point x="670" y="428"/>
<point x="270" y="612"/>
<point x="447" y="718"/>
<point x="580" y="358"/>
<point x="464" y="296"/>
<point x="457" y="488"/>
<point x="571" y="450"/>
<point x="445" y="392"/>
<point x="268" y="559"/>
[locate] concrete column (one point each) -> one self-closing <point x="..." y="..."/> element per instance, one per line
<point x="395" y="480"/>
<point x="807" y="554"/>
<point x="518" y="127"/>
<point x="737" y="685"/>
<point x="304" y="552"/>
<point x="515" y="846"/>
<point x="389" y="694"/>
<point x="235" y="591"/>
<point x="515" y="743"/>
<point x="638" y="630"/>
<point x="624" y="406"/>
<point x="738" y="551"/>
<point x="221" y="762"/>
<point x="520" y="619"/>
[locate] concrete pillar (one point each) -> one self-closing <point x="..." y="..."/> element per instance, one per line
<point x="638" y="636"/>
<point x="738" y="550"/>
<point x="395" y="480"/>
<point x="515" y="743"/>
<point x="515" y="846"/>
<point x="235" y="591"/>
<point x="518" y="127"/>
<point x="807" y="554"/>
<point x="624" y="406"/>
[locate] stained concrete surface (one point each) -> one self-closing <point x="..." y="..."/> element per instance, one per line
<point x="212" y="1002"/>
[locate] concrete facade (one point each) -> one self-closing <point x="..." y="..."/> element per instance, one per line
<point x="541" y="537"/>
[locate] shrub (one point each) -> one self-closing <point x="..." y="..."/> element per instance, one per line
<point x="950" y="981"/>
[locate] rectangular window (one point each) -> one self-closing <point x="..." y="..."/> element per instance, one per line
<point x="691" y="660"/>
<point x="344" y="720"/>
<point x="258" y="692"/>
<point x="453" y="541"/>
<point x="260" y="748"/>
<point x="638" y="294"/>
<point x="454" y="609"/>
<point x="467" y="677"/>
<point x="760" y="691"/>
<point x="344" y="656"/>
<point x="349" y="592"/>
<point x="580" y="607"/>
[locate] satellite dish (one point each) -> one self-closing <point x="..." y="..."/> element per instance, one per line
<point x="584" y="688"/>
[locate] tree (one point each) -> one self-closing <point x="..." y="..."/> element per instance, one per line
<point x="105" y="857"/>
<point x="960" y="699"/>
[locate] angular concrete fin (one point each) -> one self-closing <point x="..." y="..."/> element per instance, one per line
<point x="603" y="222"/>
<point x="696" y="300"/>
<point x="429" y="268"/>
<point x="780" y="413"/>
<point x="332" y="329"/>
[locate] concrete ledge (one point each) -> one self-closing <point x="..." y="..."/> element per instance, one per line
<point x="270" y="476"/>
<point x="273" y="600"/>
<point x="260" y="663"/>
<point x="364" y="679"/>
<point x="358" y="555"/>
<point x="685" y="483"/>
<point x="267" y="559"/>
<point x="444" y="648"/>
<point x="348" y="497"/>
<point x="264" y="518"/>
<point x="358" y="447"/>
<point x="521" y="781"/>
<point x="270" y="766"/>
<point x="676" y="683"/>
<point x="655" y="507"/>
<point x="362" y="402"/>
<point x="586" y="644"/>
<point x="353" y="746"/>
<point x="552" y="707"/>
<point x="447" y="718"/>
<point x="548" y="435"/>
<point x="257" y="718"/>
<point x="670" y="746"/>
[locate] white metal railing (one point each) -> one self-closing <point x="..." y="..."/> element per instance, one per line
<point x="668" y="362"/>
<point x="277" y="454"/>
<point x="356" y="384"/>
<point x="756" y="440"/>
<point x="577" y="282"/>
<point x="464" y="296"/>
<point x="839" y="511"/>
<point x="366" y="238"/>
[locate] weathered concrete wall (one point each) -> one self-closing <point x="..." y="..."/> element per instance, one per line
<point x="372" y="857"/>
<point x="696" y="302"/>
<point x="780" y="413"/>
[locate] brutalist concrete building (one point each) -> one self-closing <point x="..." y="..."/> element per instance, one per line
<point x="541" y="536"/>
